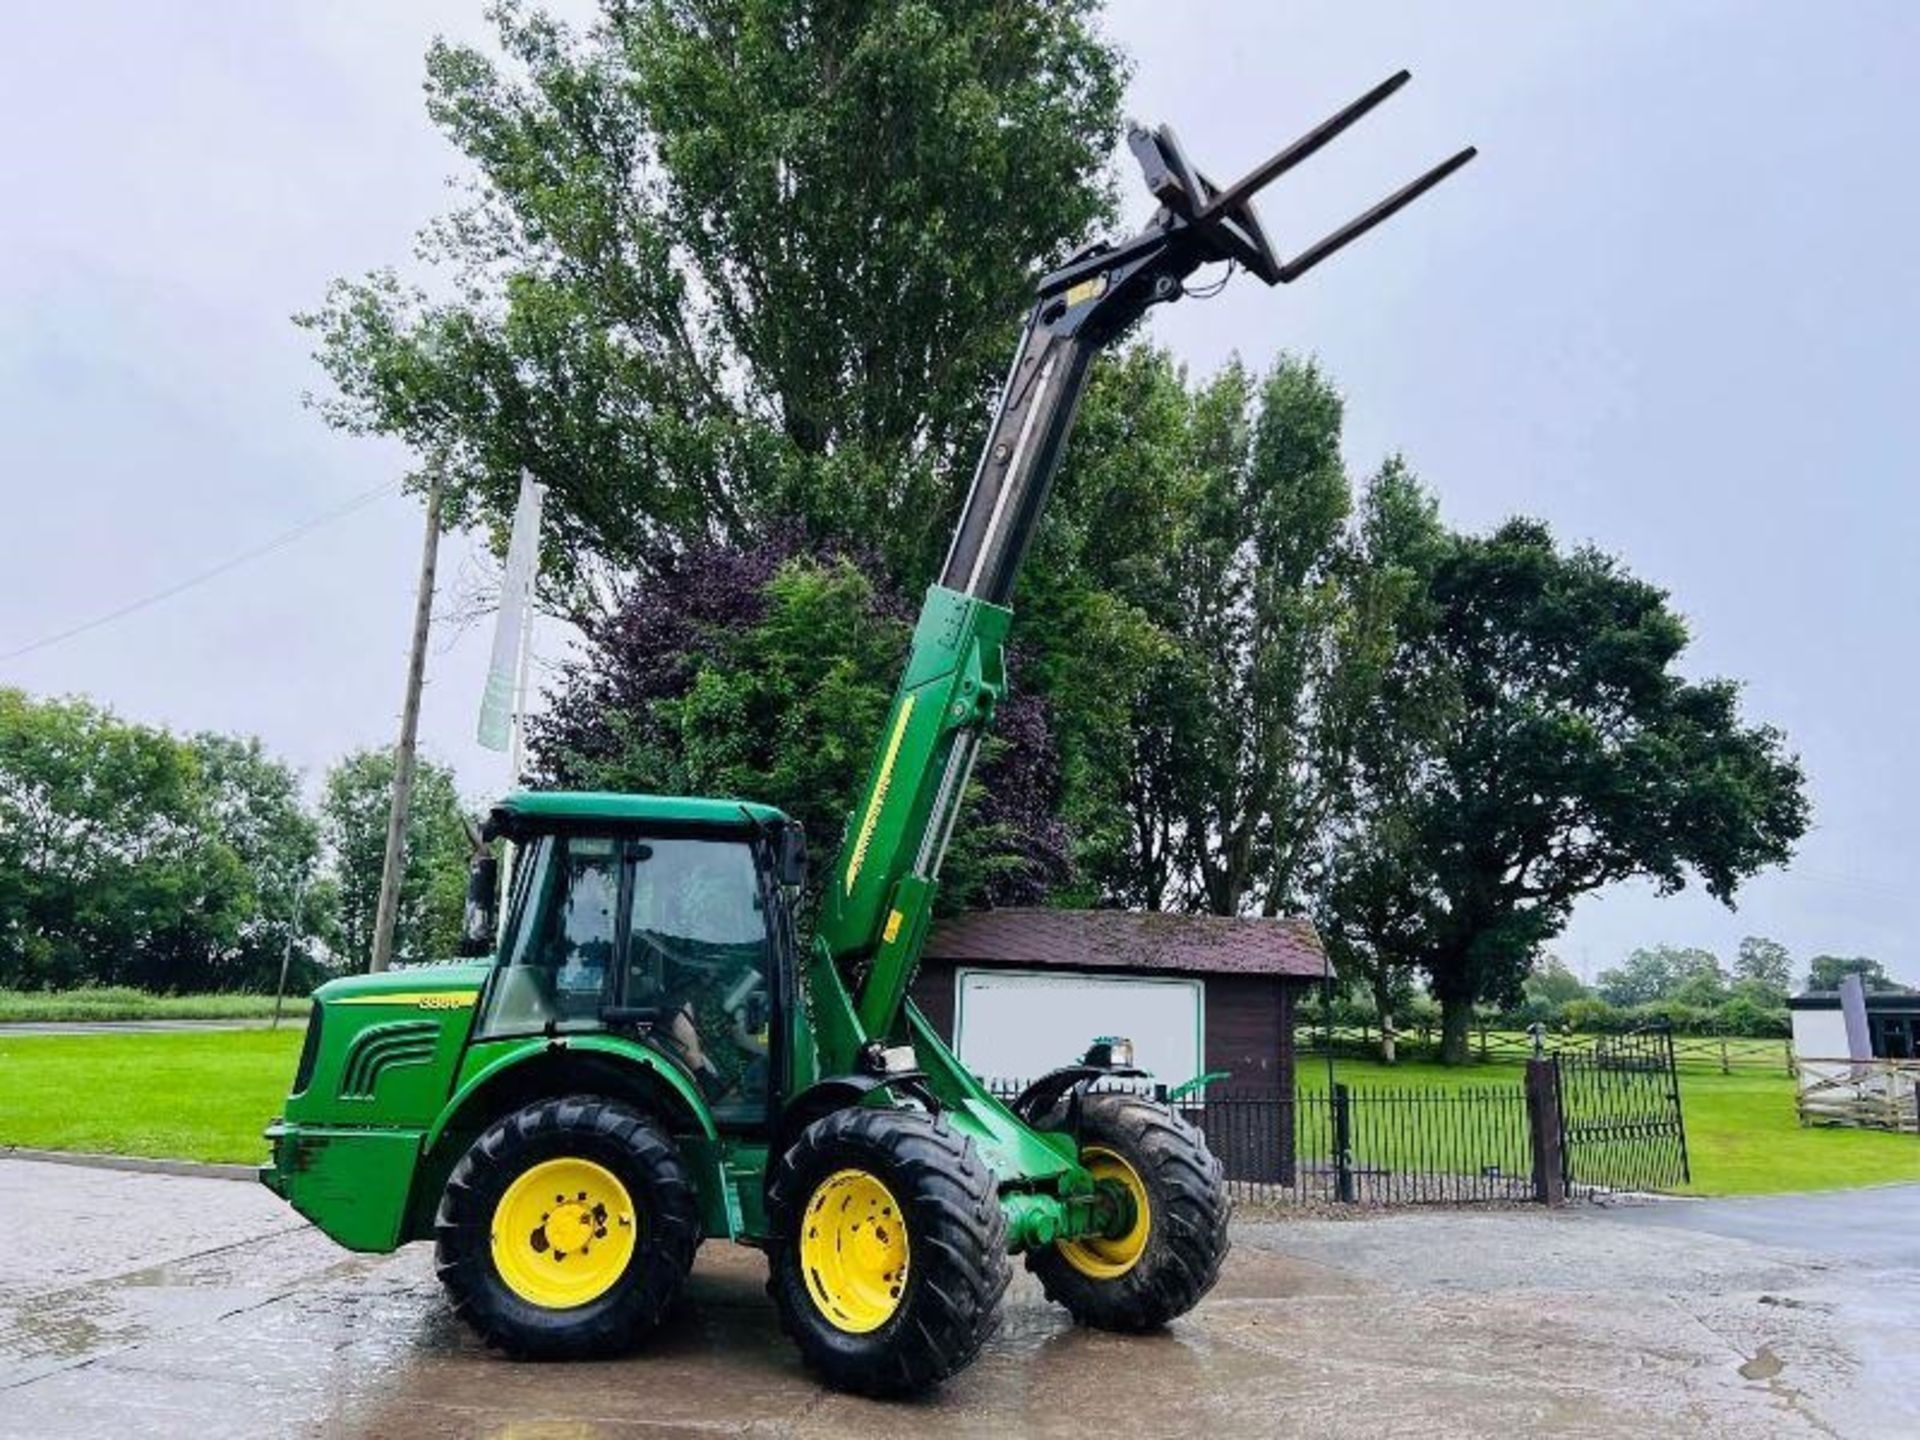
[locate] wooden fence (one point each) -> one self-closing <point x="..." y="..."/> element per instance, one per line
<point x="1862" y="1094"/>
<point x="1720" y="1054"/>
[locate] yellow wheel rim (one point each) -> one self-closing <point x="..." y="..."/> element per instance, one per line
<point x="564" y="1233"/>
<point x="853" y="1248"/>
<point x="1108" y="1257"/>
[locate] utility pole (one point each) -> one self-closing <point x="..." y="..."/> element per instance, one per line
<point x="403" y="753"/>
<point x="286" y="954"/>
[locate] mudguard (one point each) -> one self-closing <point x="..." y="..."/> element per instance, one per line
<point x="515" y="1053"/>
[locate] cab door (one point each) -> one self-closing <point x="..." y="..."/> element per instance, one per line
<point x="698" y="935"/>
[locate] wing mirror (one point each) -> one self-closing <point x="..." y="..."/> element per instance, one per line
<point x="791" y="855"/>
<point x="480" y="923"/>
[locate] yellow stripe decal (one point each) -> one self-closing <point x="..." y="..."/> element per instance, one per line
<point x="425" y="999"/>
<point x="880" y="788"/>
<point x="1087" y="290"/>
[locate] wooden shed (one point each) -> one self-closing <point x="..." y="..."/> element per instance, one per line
<point x="1820" y="1031"/>
<point x="1018" y="992"/>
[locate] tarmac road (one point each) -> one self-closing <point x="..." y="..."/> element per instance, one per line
<point x="1877" y="1227"/>
<point x="140" y="1304"/>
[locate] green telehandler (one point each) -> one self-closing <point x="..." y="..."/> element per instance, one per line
<point x="650" y="1057"/>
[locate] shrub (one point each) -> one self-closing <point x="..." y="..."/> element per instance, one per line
<point x="1743" y="1015"/>
<point x="1592" y="1016"/>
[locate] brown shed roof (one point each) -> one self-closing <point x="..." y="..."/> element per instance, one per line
<point x="1130" y="940"/>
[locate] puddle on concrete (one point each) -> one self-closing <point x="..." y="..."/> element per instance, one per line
<point x="66" y="1325"/>
<point x="1763" y="1366"/>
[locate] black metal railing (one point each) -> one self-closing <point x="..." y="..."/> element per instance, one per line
<point x="1366" y="1145"/>
<point x="1394" y="1145"/>
<point x="1621" y="1124"/>
<point x="1579" y="1123"/>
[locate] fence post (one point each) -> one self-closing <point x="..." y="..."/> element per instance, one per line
<point x="1543" y="1125"/>
<point x="1290" y="1137"/>
<point x="1342" y="1144"/>
<point x="1679" y="1115"/>
<point x="1483" y="1038"/>
<point x="1725" y="1068"/>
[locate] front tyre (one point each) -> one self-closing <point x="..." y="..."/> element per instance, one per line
<point x="1167" y="1255"/>
<point x="889" y="1252"/>
<point x="567" y="1229"/>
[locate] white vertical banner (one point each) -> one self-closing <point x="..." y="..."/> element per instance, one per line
<point x="500" y="700"/>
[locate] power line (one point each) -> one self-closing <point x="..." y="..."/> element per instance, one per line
<point x="1864" y="885"/>
<point x="280" y="541"/>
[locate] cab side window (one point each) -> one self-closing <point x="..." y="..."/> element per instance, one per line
<point x="560" y="972"/>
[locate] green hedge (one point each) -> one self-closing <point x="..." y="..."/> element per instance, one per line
<point x="121" y="1002"/>
<point x="1737" y="1015"/>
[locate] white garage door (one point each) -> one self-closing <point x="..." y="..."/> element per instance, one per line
<point x="1820" y="1035"/>
<point x="1017" y="1025"/>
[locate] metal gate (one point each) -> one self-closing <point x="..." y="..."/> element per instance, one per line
<point x="1620" y="1123"/>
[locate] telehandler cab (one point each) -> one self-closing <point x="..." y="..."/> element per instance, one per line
<point x="650" y="1057"/>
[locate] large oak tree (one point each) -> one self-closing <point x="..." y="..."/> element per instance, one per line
<point x="1570" y="753"/>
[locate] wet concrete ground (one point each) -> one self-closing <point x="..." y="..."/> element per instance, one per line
<point x="151" y="1305"/>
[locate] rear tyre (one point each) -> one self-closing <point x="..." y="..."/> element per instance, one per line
<point x="889" y="1251"/>
<point x="567" y="1229"/>
<point x="1169" y="1255"/>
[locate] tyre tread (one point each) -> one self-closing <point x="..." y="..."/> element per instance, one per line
<point x="463" y="1229"/>
<point x="1187" y="1186"/>
<point x="958" y="1237"/>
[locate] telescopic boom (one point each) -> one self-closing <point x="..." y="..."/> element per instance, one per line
<point x="879" y="895"/>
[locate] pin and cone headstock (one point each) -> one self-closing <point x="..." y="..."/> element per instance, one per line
<point x="1200" y="222"/>
<point x="1223" y="217"/>
<point x="1106" y="287"/>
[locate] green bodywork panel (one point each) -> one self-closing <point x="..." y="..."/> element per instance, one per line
<point x="380" y="1056"/>
<point x="1014" y="1150"/>
<point x="588" y="806"/>
<point x="387" y="1046"/>
<point x="353" y="1184"/>
<point x="954" y="677"/>
<point x="486" y="1059"/>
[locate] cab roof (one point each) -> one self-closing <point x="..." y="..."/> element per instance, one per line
<point x="592" y="805"/>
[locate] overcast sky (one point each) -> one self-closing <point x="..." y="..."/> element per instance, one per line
<point x="1670" y="310"/>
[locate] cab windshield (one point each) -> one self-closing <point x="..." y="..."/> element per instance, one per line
<point x="675" y="925"/>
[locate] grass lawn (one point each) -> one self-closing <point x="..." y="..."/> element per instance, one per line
<point x="120" y="1002"/>
<point x="206" y="1095"/>
<point x="191" y="1095"/>
<point x="1742" y="1135"/>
